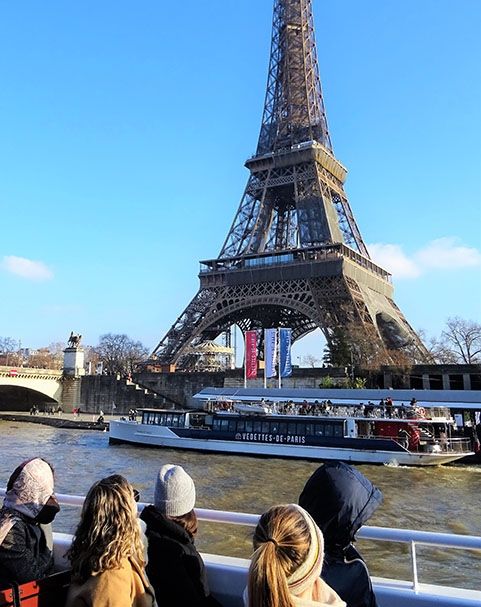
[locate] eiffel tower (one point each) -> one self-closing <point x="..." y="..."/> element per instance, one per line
<point x="294" y="256"/>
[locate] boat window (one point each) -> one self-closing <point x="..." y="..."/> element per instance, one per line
<point x="310" y="429"/>
<point x="274" y="428"/>
<point x="291" y="428"/>
<point x="301" y="429"/>
<point x="265" y="427"/>
<point x="215" y="424"/>
<point x="319" y="430"/>
<point x="175" y="420"/>
<point x="168" y="419"/>
<point x="283" y="428"/>
<point x="257" y="426"/>
<point x="157" y="418"/>
<point x="328" y="430"/>
<point x="241" y="426"/>
<point x="232" y="425"/>
<point x="249" y="425"/>
<point x="224" y="426"/>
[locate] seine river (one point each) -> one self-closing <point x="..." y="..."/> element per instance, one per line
<point x="444" y="499"/>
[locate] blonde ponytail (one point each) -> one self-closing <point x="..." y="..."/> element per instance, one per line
<point x="281" y="540"/>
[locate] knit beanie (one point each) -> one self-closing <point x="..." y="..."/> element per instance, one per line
<point x="174" y="491"/>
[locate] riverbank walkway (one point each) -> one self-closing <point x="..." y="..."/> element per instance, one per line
<point x="84" y="421"/>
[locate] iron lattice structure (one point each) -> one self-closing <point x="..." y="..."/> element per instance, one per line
<point x="294" y="256"/>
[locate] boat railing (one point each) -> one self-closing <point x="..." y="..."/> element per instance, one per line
<point x="410" y="537"/>
<point x="435" y="445"/>
<point x="367" y="412"/>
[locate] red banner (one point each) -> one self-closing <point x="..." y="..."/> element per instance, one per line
<point x="251" y="354"/>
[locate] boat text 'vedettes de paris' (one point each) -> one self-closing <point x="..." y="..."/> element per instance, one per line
<point x="384" y="433"/>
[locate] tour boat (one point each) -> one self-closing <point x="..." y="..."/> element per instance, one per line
<point x="418" y="436"/>
<point x="227" y="575"/>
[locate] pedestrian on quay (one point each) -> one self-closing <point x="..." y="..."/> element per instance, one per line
<point x="287" y="561"/>
<point x="341" y="499"/>
<point x="175" y="567"/>
<point x="28" y="510"/>
<point x="107" y="552"/>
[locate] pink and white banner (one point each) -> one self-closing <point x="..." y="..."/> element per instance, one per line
<point x="251" y="354"/>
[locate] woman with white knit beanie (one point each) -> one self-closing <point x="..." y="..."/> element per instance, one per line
<point x="175" y="568"/>
<point x="286" y="565"/>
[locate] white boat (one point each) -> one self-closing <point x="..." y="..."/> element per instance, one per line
<point x="227" y="575"/>
<point x="416" y="437"/>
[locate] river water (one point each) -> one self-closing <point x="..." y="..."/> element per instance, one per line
<point x="443" y="499"/>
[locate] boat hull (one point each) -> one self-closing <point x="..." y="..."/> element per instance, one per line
<point x="162" y="436"/>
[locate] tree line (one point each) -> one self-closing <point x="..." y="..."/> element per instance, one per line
<point x="458" y="343"/>
<point x="114" y="354"/>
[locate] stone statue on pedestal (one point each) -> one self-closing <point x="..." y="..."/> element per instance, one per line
<point x="74" y="340"/>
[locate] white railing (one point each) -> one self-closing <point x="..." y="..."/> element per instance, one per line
<point x="410" y="537"/>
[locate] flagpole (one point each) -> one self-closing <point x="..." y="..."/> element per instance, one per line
<point x="279" y="354"/>
<point x="265" y="361"/>
<point x="245" y="360"/>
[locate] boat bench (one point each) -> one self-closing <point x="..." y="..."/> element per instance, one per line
<point x="50" y="591"/>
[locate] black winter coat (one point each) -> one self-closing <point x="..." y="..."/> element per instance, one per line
<point x="24" y="554"/>
<point x="347" y="573"/>
<point x="341" y="499"/>
<point x="175" y="568"/>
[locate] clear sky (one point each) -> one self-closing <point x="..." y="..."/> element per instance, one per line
<point x="124" y="128"/>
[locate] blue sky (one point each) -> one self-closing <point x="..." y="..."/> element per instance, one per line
<point x="124" y="128"/>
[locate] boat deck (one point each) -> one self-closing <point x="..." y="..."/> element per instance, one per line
<point x="228" y="575"/>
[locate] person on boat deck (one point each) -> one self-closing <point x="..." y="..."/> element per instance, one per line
<point x="175" y="567"/>
<point x="286" y="565"/>
<point x="25" y="531"/>
<point x="341" y="499"/>
<point x="107" y="552"/>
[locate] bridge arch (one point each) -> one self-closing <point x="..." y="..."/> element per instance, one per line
<point x="20" y="389"/>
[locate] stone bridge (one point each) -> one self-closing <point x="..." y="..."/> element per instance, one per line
<point x="23" y="387"/>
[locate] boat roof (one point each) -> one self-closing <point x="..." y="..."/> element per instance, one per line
<point x="152" y="410"/>
<point x="462" y="399"/>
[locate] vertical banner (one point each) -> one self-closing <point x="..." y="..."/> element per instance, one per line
<point x="251" y="354"/>
<point x="270" y="352"/>
<point x="285" y="352"/>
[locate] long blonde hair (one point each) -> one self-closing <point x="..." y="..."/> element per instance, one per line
<point x="281" y="542"/>
<point x="108" y="530"/>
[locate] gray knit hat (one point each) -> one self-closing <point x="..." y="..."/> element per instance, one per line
<point x="174" y="491"/>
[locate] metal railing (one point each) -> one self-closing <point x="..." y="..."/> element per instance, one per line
<point x="410" y="537"/>
<point x="453" y="445"/>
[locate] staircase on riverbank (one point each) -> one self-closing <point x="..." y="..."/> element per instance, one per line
<point x="112" y="394"/>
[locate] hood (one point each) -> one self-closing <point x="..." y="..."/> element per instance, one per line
<point x="30" y="487"/>
<point x="340" y="499"/>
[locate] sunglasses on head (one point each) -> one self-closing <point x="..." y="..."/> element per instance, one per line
<point x="136" y="495"/>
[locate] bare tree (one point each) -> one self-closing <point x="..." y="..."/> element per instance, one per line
<point x="461" y="339"/>
<point x="9" y="351"/>
<point x="310" y="360"/>
<point x="43" y="358"/>
<point x="119" y="353"/>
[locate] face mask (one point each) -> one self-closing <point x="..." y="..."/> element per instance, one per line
<point x="48" y="512"/>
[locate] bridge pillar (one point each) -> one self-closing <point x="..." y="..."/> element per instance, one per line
<point x="73" y="370"/>
<point x="71" y="392"/>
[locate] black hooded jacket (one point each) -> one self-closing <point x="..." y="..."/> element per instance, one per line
<point x="341" y="499"/>
<point x="175" y="568"/>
